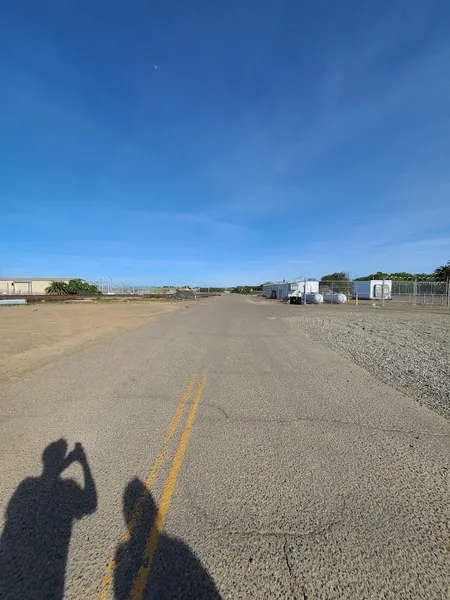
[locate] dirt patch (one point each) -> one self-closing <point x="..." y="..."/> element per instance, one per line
<point x="35" y="334"/>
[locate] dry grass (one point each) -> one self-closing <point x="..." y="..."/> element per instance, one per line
<point x="35" y="334"/>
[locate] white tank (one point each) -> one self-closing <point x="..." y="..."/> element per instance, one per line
<point x="314" y="298"/>
<point x="335" y="298"/>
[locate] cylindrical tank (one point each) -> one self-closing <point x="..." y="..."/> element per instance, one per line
<point x="314" y="298"/>
<point x="335" y="298"/>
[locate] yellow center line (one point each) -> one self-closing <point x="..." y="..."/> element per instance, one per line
<point x="111" y="565"/>
<point x="140" y="581"/>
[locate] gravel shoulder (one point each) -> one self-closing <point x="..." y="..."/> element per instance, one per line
<point x="410" y="351"/>
<point x="32" y="335"/>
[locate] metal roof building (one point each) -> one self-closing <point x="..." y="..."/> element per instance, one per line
<point x="27" y="286"/>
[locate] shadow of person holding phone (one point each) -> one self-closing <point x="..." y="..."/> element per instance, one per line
<point x="38" y="524"/>
<point x="176" y="572"/>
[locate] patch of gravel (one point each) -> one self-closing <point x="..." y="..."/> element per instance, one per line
<point x="409" y="351"/>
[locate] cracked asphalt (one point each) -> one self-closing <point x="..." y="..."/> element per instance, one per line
<point x="298" y="475"/>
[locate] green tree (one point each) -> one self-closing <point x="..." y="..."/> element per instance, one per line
<point x="442" y="273"/>
<point x="377" y="275"/>
<point x="339" y="276"/>
<point x="81" y="287"/>
<point x="57" y="288"/>
<point x="336" y="282"/>
<point x="400" y="276"/>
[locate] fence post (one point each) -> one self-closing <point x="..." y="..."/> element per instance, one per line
<point x="448" y="293"/>
<point x="414" y="292"/>
<point x="382" y="294"/>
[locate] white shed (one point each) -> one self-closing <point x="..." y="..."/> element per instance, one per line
<point x="373" y="289"/>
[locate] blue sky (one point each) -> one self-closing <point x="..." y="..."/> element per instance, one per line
<point x="219" y="143"/>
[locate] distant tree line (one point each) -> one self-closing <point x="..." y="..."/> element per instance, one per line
<point x="442" y="273"/>
<point x="401" y="276"/>
<point x="246" y="289"/>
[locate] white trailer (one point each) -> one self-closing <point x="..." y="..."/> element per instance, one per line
<point x="286" y="289"/>
<point x="373" y="289"/>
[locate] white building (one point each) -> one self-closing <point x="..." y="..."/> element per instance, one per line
<point x="283" y="289"/>
<point x="373" y="289"/>
<point x="26" y="286"/>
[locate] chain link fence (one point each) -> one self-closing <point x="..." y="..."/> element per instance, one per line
<point x="422" y="292"/>
<point x="408" y="292"/>
<point x="117" y="287"/>
<point x="414" y="293"/>
<point x="110" y="286"/>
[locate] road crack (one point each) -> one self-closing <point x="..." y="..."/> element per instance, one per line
<point x="325" y="421"/>
<point x="286" y="556"/>
<point x="303" y="591"/>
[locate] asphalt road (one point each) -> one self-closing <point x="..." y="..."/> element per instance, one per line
<point x="224" y="454"/>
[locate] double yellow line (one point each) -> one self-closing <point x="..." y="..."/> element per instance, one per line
<point x="140" y="581"/>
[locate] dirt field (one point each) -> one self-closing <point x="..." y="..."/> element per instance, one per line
<point x="34" y="334"/>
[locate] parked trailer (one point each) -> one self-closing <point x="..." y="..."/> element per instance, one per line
<point x="373" y="289"/>
<point x="285" y="289"/>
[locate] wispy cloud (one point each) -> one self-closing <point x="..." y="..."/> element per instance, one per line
<point x="271" y="157"/>
<point x="442" y="244"/>
<point x="190" y="219"/>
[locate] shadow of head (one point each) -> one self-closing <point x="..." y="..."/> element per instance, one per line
<point x="136" y="498"/>
<point x="139" y="511"/>
<point x="54" y="458"/>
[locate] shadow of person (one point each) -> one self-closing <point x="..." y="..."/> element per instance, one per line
<point x="175" y="573"/>
<point x="38" y="525"/>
